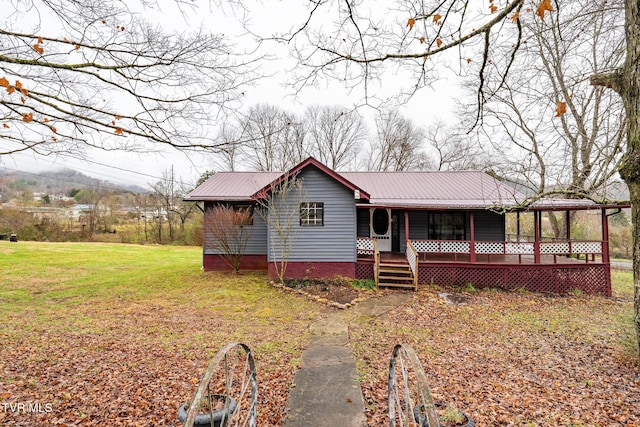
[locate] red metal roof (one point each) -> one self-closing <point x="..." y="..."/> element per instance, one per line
<point x="228" y="186"/>
<point x="450" y="189"/>
<point x="427" y="190"/>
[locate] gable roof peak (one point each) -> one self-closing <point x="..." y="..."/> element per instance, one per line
<point x="309" y="161"/>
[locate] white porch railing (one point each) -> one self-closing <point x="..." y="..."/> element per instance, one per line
<point x="412" y="259"/>
<point x="365" y="246"/>
<point x="567" y="248"/>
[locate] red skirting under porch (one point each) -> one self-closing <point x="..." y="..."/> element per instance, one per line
<point x="591" y="278"/>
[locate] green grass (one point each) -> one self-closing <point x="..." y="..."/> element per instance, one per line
<point x="50" y="277"/>
<point x="622" y="282"/>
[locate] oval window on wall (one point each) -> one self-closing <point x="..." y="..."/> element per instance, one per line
<point x="380" y="221"/>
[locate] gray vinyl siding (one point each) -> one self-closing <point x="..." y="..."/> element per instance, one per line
<point x="363" y="223"/>
<point x="336" y="239"/>
<point x="257" y="244"/>
<point x="418" y="225"/>
<point x="488" y="226"/>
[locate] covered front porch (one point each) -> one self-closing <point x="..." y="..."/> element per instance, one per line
<point x="474" y="247"/>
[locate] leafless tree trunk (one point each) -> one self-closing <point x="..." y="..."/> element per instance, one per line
<point x="280" y="209"/>
<point x="626" y="81"/>
<point x="229" y="230"/>
<point x="164" y="191"/>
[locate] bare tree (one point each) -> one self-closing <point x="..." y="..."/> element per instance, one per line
<point x="230" y="140"/>
<point x="156" y="214"/>
<point x="93" y="199"/>
<point x="167" y="199"/>
<point x="334" y="135"/>
<point x="578" y="152"/>
<point x="182" y="210"/>
<point x="228" y="232"/>
<point x="454" y="150"/>
<point x="95" y="74"/>
<point x="273" y="139"/>
<point x="398" y="146"/>
<point x="279" y="206"/>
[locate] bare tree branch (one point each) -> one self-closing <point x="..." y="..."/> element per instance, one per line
<point x="111" y="80"/>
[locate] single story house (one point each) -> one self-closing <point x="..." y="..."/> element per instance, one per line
<point x="407" y="228"/>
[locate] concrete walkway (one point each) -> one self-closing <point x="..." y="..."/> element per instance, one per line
<point x="326" y="391"/>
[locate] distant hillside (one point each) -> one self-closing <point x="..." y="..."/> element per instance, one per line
<point x="56" y="182"/>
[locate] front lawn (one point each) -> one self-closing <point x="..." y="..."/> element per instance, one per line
<point x="118" y="335"/>
<point x="513" y="359"/>
<point x="110" y="334"/>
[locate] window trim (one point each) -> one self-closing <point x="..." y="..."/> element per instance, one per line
<point x="312" y="220"/>
<point x="249" y="208"/>
<point x="450" y="225"/>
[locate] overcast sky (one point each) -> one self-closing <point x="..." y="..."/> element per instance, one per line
<point x="143" y="169"/>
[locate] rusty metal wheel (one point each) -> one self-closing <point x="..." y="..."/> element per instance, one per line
<point x="228" y="390"/>
<point x="410" y="401"/>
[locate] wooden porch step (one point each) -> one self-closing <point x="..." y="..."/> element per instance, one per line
<point x="394" y="264"/>
<point x="394" y="278"/>
<point x="395" y="275"/>
<point x="394" y="271"/>
<point x="396" y="285"/>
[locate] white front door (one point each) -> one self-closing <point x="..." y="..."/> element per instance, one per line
<point x="380" y="225"/>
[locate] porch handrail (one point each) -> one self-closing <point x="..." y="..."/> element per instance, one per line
<point x="497" y="247"/>
<point x="588" y="249"/>
<point x="412" y="258"/>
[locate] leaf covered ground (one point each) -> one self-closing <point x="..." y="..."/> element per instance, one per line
<point x="511" y="359"/>
<point x="117" y="335"/>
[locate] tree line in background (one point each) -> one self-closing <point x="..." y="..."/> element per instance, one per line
<point x="100" y="213"/>
<point x="270" y="138"/>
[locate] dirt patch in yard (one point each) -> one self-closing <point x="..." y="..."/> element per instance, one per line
<point x="337" y="292"/>
<point x="342" y="294"/>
